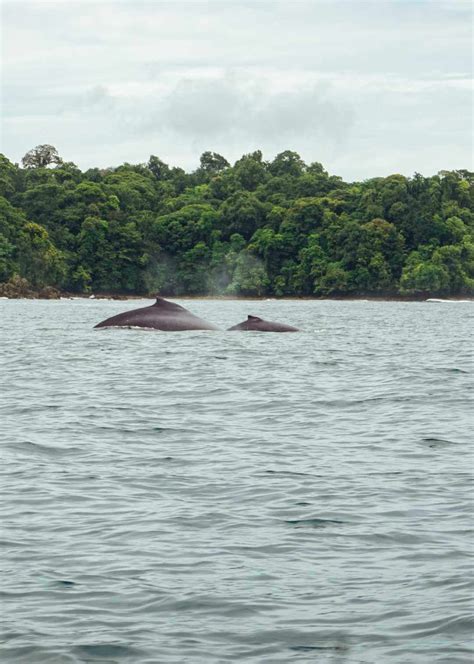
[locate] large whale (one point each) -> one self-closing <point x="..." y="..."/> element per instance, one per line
<point x="256" y="324"/>
<point x="162" y="315"/>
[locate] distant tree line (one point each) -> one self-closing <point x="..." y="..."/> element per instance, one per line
<point x="279" y="228"/>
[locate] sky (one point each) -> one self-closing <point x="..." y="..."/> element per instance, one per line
<point x="366" y="88"/>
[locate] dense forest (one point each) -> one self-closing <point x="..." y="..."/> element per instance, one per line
<point x="277" y="228"/>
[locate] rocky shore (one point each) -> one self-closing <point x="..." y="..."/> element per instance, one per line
<point x="20" y="288"/>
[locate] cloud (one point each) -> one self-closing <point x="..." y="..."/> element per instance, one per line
<point x="243" y="108"/>
<point x="51" y="102"/>
<point x="365" y="87"/>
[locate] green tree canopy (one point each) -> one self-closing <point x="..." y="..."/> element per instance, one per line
<point x="257" y="227"/>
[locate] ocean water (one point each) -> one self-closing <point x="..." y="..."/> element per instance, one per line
<point x="213" y="497"/>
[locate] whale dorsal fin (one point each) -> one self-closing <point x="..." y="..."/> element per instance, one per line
<point x="166" y="305"/>
<point x="253" y="318"/>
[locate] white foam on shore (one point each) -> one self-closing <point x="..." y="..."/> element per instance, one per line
<point x="435" y="299"/>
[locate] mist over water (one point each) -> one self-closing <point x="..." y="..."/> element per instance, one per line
<point x="210" y="496"/>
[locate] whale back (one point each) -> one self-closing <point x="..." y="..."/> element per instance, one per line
<point x="161" y="315"/>
<point x="256" y="324"/>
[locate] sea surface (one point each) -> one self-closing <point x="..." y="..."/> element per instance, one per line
<point x="210" y="497"/>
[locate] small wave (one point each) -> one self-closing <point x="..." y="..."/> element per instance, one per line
<point x="437" y="442"/>
<point x="64" y="583"/>
<point x="99" y="652"/>
<point x="38" y="448"/>
<point x="450" y="625"/>
<point x="327" y="363"/>
<point x="437" y="370"/>
<point x="312" y="522"/>
<point x="337" y="648"/>
<point x="287" y="472"/>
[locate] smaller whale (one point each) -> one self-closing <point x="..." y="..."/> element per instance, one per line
<point x="256" y="324"/>
<point x="162" y="315"/>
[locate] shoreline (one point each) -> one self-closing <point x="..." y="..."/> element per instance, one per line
<point x="251" y="298"/>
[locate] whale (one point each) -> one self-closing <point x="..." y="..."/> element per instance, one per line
<point x="256" y="324"/>
<point x="162" y="315"/>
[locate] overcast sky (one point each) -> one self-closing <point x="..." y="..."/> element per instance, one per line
<point x="366" y="88"/>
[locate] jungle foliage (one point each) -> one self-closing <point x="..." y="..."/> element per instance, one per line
<point x="255" y="228"/>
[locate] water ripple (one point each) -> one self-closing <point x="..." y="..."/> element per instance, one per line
<point x="213" y="497"/>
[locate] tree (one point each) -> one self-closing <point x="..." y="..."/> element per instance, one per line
<point x="194" y="269"/>
<point x="249" y="276"/>
<point x="39" y="260"/>
<point x="250" y="171"/>
<point x="160" y="170"/>
<point x="8" y="175"/>
<point x="242" y="213"/>
<point x="41" y="156"/>
<point x="7" y="263"/>
<point x="424" y="278"/>
<point x="333" y="281"/>
<point x="213" y="163"/>
<point x="311" y="268"/>
<point x="271" y="247"/>
<point x="287" y="163"/>
<point x="180" y="231"/>
<point x="110" y="255"/>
